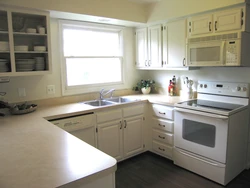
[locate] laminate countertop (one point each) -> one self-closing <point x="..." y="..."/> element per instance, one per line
<point x="36" y="153"/>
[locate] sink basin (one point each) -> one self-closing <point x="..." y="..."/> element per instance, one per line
<point x="121" y="99"/>
<point x="99" y="103"/>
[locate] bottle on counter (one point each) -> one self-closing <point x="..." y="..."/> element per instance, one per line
<point x="171" y="88"/>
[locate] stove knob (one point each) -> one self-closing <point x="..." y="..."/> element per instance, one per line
<point x="244" y="89"/>
<point x="238" y="88"/>
<point x="201" y="85"/>
<point x="205" y="85"/>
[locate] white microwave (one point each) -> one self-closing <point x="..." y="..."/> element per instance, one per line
<point x="220" y="50"/>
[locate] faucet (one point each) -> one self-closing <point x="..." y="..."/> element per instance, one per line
<point x="102" y="94"/>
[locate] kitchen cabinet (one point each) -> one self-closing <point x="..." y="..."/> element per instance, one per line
<point x="149" y="47"/>
<point x="220" y="21"/>
<point x="174" y="44"/>
<point x="120" y="131"/>
<point x="162" y="130"/>
<point x="25" y="32"/>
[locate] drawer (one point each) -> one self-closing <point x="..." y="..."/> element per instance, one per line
<point x="109" y="115"/>
<point x="133" y="110"/>
<point x="163" y="149"/>
<point x="164" y="125"/>
<point x="164" y="137"/>
<point x="163" y="111"/>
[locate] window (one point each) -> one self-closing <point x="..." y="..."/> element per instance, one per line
<point x="92" y="56"/>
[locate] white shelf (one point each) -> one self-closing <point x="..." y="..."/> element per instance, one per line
<point x="3" y="52"/>
<point x="28" y="34"/>
<point x="4" y="32"/>
<point x="30" y="52"/>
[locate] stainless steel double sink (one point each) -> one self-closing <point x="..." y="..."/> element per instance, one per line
<point x="110" y="101"/>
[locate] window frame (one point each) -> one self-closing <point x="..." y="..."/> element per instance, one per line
<point x="79" y="89"/>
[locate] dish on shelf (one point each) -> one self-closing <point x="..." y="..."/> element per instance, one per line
<point x="4" y="65"/>
<point x="4" y="46"/>
<point x="25" y="61"/>
<point x="30" y="30"/>
<point x="21" y="48"/>
<point x="40" y="48"/>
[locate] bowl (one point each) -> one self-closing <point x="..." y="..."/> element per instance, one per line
<point x="40" y="48"/>
<point x="22" y="48"/>
<point x="30" y="30"/>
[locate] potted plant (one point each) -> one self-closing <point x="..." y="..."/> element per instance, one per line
<point x="145" y="86"/>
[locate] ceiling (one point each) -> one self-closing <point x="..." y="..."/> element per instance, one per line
<point x="145" y="1"/>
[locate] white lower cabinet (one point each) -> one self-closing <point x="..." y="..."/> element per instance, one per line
<point x="120" y="131"/>
<point x="162" y="127"/>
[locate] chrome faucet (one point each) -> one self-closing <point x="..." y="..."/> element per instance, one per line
<point x="102" y="94"/>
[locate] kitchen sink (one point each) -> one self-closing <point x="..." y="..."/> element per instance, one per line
<point x="99" y="103"/>
<point x="121" y="99"/>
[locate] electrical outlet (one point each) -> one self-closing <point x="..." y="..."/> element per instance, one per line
<point x="51" y="89"/>
<point x="21" y="92"/>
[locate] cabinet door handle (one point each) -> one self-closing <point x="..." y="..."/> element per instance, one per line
<point x="125" y="124"/>
<point x="120" y="124"/>
<point x="184" y="61"/>
<point x="215" y="25"/>
<point x="162" y="137"/>
<point x="149" y="62"/>
<point x="161" y="125"/>
<point x="163" y="113"/>
<point x="210" y="23"/>
<point x="161" y="149"/>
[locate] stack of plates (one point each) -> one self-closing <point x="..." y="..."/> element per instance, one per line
<point x="25" y="65"/>
<point x="4" y="65"/>
<point x="40" y="63"/>
<point x="4" y="46"/>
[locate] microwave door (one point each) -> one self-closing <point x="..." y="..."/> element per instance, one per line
<point x="206" y="54"/>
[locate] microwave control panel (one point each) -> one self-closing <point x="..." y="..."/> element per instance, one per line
<point x="232" y="52"/>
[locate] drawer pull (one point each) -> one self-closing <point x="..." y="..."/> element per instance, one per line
<point x="162" y="137"/>
<point x="161" y="125"/>
<point x="163" y="113"/>
<point x="161" y="149"/>
<point x="121" y="124"/>
<point x="125" y="124"/>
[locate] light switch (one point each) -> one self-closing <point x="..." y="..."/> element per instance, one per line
<point x="21" y="92"/>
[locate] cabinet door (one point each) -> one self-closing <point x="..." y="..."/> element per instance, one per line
<point x="133" y="135"/>
<point x="141" y="48"/>
<point x="228" y="20"/>
<point x="155" y="46"/>
<point x="110" y="138"/>
<point x="174" y="44"/>
<point x="200" y="25"/>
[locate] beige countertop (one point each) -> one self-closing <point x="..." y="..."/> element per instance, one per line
<point x="36" y="153"/>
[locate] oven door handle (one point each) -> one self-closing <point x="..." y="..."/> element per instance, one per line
<point x="201" y="113"/>
<point x="202" y="160"/>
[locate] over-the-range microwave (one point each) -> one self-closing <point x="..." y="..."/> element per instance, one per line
<point x="219" y="50"/>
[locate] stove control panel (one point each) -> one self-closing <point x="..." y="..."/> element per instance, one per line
<point x="224" y="88"/>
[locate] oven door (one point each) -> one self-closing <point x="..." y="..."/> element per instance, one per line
<point x="206" y="53"/>
<point x="201" y="133"/>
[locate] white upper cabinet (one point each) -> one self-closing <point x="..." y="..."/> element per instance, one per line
<point x="141" y="47"/>
<point x="155" y="46"/>
<point x="228" y="20"/>
<point x="200" y="25"/>
<point x="149" y="47"/>
<point x="221" y="21"/>
<point x="174" y="44"/>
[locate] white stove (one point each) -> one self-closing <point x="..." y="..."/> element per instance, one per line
<point x="210" y="132"/>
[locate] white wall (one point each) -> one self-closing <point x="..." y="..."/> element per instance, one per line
<point x="35" y="86"/>
<point x="118" y="9"/>
<point x="167" y="9"/>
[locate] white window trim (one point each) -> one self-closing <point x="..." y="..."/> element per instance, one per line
<point x="74" y="90"/>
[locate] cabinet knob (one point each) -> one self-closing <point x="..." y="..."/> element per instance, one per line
<point x="125" y="124"/>
<point x="163" y="113"/>
<point x="162" y="137"/>
<point x="215" y="25"/>
<point x="184" y="61"/>
<point x="210" y="23"/>
<point x="120" y="124"/>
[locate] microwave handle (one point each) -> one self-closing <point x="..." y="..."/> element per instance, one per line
<point x="222" y="52"/>
<point x="201" y="113"/>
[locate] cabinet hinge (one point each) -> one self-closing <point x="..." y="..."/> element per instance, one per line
<point x="164" y="27"/>
<point x="143" y="145"/>
<point x="143" y="118"/>
<point x="135" y="63"/>
<point x="162" y="63"/>
<point x="189" y="30"/>
<point x="242" y="14"/>
<point x="189" y="23"/>
<point x="161" y="28"/>
<point x="96" y="129"/>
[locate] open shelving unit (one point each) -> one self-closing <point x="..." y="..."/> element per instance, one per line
<point x="13" y="26"/>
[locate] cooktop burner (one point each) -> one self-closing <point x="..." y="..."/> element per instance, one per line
<point x="211" y="105"/>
